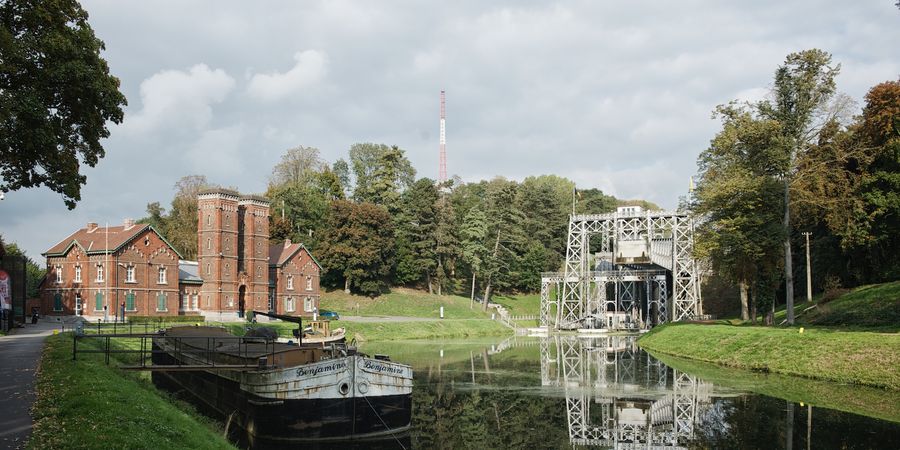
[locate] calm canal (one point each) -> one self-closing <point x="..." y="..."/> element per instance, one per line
<point x="605" y="392"/>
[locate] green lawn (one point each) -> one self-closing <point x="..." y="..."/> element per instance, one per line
<point x="858" y="357"/>
<point x="520" y="305"/>
<point x="87" y="404"/>
<point x="401" y="302"/>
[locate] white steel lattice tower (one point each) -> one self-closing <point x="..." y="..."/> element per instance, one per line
<point x="442" y="173"/>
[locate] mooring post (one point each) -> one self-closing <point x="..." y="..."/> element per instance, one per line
<point x="74" y="345"/>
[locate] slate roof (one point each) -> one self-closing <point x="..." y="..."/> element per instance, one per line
<point x="189" y="272"/>
<point x="279" y="254"/>
<point x="101" y="240"/>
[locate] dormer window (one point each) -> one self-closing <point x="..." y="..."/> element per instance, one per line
<point x="129" y="274"/>
<point x="162" y="275"/>
<point x="290" y="282"/>
<point x="99" y="273"/>
<point x="78" y="274"/>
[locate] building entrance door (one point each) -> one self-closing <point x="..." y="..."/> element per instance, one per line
<point x="242" y="293"/>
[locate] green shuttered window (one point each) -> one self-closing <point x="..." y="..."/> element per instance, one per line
<point x="161" y="302"/>
<point x="57" y="302"/>
<point x="98" y="305"/>
<point x="129" y="301"/>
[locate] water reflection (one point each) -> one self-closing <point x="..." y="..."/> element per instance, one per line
<point x="604" y="392"/>
<point x="618" y="396"/>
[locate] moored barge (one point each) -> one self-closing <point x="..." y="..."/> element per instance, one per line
<point x="287" y="392"/>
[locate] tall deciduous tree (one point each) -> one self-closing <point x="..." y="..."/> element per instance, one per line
<point x="358" y="248"/>
<point x="56" y="96"/>
<point x="181" y="224"/>
<point x="738" y="198"/>
<point x="381" y="172"/>
<point x="474" y="236"/>
<point x="299" y="165"/>
<point x="803" y="86"/>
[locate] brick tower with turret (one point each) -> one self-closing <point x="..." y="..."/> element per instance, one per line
<point x="232" y="242"/>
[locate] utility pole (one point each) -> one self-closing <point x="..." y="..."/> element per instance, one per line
<point x="808" y="272"/>
<point x="442" y="170"/>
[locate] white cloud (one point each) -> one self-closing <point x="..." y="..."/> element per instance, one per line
<point x="217" y="154"/>
<point x="309" y="69"/>
<point x="174" y="98"/>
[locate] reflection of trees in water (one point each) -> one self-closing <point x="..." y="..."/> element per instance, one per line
<point x="493" y="412"/>
<point x="607" y="392"/>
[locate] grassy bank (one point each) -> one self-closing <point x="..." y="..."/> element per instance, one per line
<point x="393" y="331"/>
<point x="872" y="306"/>
<point x="401" y="302"/>
<point x="865" y="358"/>
<point x="87" y="404"/>
<point x="862" y="400"/>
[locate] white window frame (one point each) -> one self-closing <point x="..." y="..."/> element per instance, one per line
<point x="308" y="283"/>
<point x="129" y="274"/>
<point x="59" y="274"/>
<point x="289" y="305"/>
<point x="77" y="274"/>
<point x="308" y="304"/>
<point x="290" y="282"/>
<point x="162" y="276"/>
<point x="100" y="272"/>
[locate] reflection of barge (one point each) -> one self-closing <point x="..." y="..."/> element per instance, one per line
<point x="284" y="392"/>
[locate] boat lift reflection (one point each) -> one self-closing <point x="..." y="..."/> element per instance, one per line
<point x="620" y="397"/>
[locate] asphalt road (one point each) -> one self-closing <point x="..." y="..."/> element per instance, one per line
<point x="19" y="355"/>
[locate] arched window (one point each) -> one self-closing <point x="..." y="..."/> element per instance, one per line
<point x="162" y="275"/>
<point x="308" y="283"/>
<point x="99" y="273"/>
<point x="290" y="282"/>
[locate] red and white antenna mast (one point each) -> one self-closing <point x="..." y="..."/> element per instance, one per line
<point x="442" y="172"/>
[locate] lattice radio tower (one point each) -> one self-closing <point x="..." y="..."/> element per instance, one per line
<point x="442" y="172"/>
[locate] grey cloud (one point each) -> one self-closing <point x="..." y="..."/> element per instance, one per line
<point x="615" y="95"/>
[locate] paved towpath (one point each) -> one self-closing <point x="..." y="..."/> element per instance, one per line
<point x="400" y="319"/>
<point x="20" y="352"/>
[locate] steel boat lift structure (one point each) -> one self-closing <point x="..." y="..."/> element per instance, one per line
<point x="626" y="284"/>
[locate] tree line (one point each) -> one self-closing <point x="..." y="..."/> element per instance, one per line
<point x="373" y="224"/>
<point x="802" y="161"/>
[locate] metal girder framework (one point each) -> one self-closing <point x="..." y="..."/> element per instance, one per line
<point x="630" y="288"/>
<point x="600" y="373"/>
<point x="668" y="239"/>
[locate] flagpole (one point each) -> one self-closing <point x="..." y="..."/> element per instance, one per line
<point x="106" y="278"/>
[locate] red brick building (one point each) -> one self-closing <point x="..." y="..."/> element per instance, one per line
<point x="96" y="269"/>
<point x="132" y="266"/>
<point x="293" y="279"/>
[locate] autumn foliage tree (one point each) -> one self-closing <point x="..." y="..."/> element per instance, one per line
<point x="56" y="96"/>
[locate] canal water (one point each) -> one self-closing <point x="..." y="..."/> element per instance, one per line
<point x="605" y="392"/>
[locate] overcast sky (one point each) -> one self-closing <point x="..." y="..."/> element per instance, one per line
<point x="615" y="95"/>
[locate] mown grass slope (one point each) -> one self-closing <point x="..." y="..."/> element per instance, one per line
<point x="401" y="302"/>
<point x="865" y="358"/>
<point x="87" y="404"/>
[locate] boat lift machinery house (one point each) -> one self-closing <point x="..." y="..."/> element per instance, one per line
<point x="641" y="273"/>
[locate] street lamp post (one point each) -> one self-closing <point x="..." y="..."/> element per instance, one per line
<point x="808" y="272"/>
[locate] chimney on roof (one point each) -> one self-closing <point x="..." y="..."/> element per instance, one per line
<point x="91" y="227"/>
<point x="129" y="223"/>
<point x="287" y="242"/>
